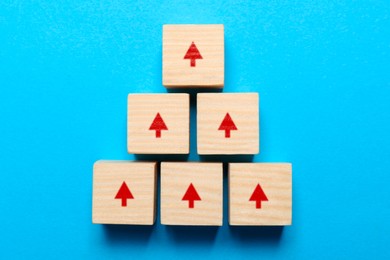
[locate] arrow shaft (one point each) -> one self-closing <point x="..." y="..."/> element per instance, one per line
<point x="191" y="204"/>
<point x="124" y="202"/>
<point x="258" y="204"/>
<point x="158" y="133"/>
<point x="227" y="133"/>
<point x="193" y="62"/>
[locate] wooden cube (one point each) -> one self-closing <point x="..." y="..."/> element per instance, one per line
<point x="124" y="192"/>
<point x="193" y="56"/>
<point x="228" y="123"/>
<point x="191" y="194"/>
<point x="260" y="194"/>
<point x="158" y="124"/>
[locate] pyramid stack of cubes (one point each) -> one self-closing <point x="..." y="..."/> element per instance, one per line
<point x="125" y="192"/>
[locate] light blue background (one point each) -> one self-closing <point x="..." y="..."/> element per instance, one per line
<point x="322" y="71"/>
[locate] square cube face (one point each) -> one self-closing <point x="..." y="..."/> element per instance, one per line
<point x="193" y="56"/>
<point x="228" y="123"/>
<point x="124" y="192"/>
<point x="191" y="194"/>
<point x="260" y="194"/>
<point x="158" y="123"/>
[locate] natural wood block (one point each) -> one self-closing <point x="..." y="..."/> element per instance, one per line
<point x="193" y="55"/>
<point x="260" y="194"/>
<point x="228" y="123"/>
<point x="124" y="192"/>
<point x="158" y="123"/>
<point x="191" y="194"/>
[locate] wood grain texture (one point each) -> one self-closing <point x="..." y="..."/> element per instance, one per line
<point x="209" y="71"/>
<point x="140" y="177"/>
<point x="174" y="110"/>
<point x="243" y="108"/>
<point x="275" y="180"/>
<point x="207" y="180"/>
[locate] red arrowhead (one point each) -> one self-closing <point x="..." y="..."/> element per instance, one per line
<point x="191" y="195"/>
<point x="227" y="125"/>
<point x="124" y="194"/>
<point x="193" y="54"/>
<point x="158" y="124"/>
<point x="258" y="195"/>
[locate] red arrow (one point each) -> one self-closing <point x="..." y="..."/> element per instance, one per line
<point x="227" y="125"/>
<point x="258" y="195"/>
<point x="193" y="54"/>
<point x="191" y="195"/>
<point x="158" y="124"/>
<point x="124" y="194"/>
